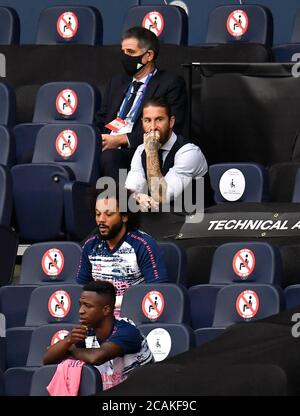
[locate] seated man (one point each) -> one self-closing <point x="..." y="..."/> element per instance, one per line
<point x="166" y="163"/>
<point x="119" y="117"/>
<point x="119" y="252"/>
<point x="114" y="346"/>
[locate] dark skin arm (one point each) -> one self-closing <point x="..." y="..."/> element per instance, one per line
<point x="93" y="356"/>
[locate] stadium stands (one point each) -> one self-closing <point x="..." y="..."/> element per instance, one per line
<point x="10" y="26"/>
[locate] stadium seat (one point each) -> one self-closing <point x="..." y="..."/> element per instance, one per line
<point x="204" y="335"/>
<point x="61" y="25"/>
<point x="163" y="303"/>
<point x="289" y="52"/>
<point x="244" y="303"/>
<point x="14" y="300"/>
<point x="18" y="381"/>
<point x="282" y="177"/>
<point x="296" y="193"/>
<point x="240" y="23"/>
<point x="18" y="341"/>
<point x="254" y="262"/>
<point x="9" y="246"/>
<point x="8" y="105"/>
<point x="242" y="182"/>
<point x="90" y="382"/>
<point x="203" y="301"/>
<point x="292" y="296"/>
<point x="175" y="260"/>
<point x="6" y="196"/>
<point x="2" y="347"/>
<point x="53" y="304"/>
<point x="50" y="263"/>
<point x="2" y="386"/>
<point x="169" y="23"/>
<point x="10" y="26"/>
<point x="167" y="340"/>
<point x="7" y="148"/>
<point x="25" y="137"/>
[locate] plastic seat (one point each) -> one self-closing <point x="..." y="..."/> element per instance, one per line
<point x="175" y="259"/>
<point x="254" y="262"/>
<point x="50" y="263"/>
<point x="289" y="52"/>
<point x="292" y="296"/>
<point x="90" y="383"/>
<point x="18" y="341"/>
<point x="240" y="23"/>
<point x="204" y="335"/>
<point x="296" y="193"/>
<point x="163" y="303"/>
<point x="167" y="340"/>
<point x="18" y="381"/>
<point x="53" y="304"/>
<point x="61" y="25"/>
<point x="2" y="385"/>
<point x="8" y="103"/>
<point x="203" y="301"/>
<point x="25" y="137"/>
<point x="10" y="26"/>
<point x="6" y="196"/>
<point x="242" y="182"/>
<point x="14" y="300"/>
<point x="169" y="23"/>
<point x="9" y="246"/>
<point x="7" y="148"/>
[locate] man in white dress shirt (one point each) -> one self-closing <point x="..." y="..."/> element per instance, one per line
<point x="165" y="164"/>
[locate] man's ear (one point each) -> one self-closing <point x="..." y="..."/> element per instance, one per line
<point x="107" y="309"/>
<point x="172" y="122"/>
<point x="124" y="218"/>
<point x="150" y="55"/>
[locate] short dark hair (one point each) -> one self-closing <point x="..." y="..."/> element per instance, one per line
<point x="159" y="102"/>
<point x="147" y="39"/>
<point x="133" y="217"/>
<point x="102" y="287"/>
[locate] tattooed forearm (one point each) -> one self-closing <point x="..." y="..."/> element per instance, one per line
<point x="156" y="182"/>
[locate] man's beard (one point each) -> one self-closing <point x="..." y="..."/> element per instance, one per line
<point x="113" y="232"/>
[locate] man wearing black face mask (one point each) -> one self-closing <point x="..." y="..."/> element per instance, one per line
<point x="119" y="119"/>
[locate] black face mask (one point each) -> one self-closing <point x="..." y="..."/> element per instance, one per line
<point x="133" y="64"/>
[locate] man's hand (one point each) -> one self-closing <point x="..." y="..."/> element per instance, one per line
<point x="146" y="202"/>
<point x="78" y="334"/>
<point x="113" y="141"/>
<point x="151" y="141"/>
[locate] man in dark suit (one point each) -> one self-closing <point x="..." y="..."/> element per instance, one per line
<point x="119" y="118"/>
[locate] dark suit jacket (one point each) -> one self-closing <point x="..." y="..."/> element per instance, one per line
<point x="162" y="84"/>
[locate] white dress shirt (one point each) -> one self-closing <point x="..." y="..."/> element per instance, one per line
<point x="189" y="163"/>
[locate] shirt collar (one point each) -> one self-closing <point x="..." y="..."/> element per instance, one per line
<point x="169" y="144"/>
<point x="145" y="77"/>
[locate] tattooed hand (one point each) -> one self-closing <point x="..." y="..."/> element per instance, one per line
<point x="151" y="141"/>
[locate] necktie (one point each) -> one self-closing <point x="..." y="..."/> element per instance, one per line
<point x="136" y="85"/>
<point x="160" y="158"/>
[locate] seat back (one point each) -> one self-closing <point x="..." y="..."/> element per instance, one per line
<point x="7" y="148"/>
<point x="175" y="259"/>
<point x="7" y="104"/>
<point x="9" y="246"/>
<point x="163" y="303"/>
<point x="295" y="38"/>
<point x="242" y="182"/>
<point x="255" y="262"/>
<point x="53" y="304"/>
<point x="292" y="296"/>
<point x="66" y="102"/>
<point x="203" y="302"/>
<point x="67" y="144"/>
<point x="14" y="300"/>
<point x="42" y="337"/>
<point x="61" y="25"/>
<point x="6" y="195"/>
<point x="90" y="382"/>
<point x="167" y="340"/>
<point x="240" y="23"/>
<point x="50" y="263"/>
<point x="244" y="303"/>
<point x="296" y="192"/>
<point x="169" y="23"/>
<point x="9" y="26"/>
<point x="38" y="200"/>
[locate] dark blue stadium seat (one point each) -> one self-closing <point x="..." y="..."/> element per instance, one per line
<point x="296" y="193"/>
<point x="169" y="23"/>
<point x="176" y="261"/>
<point x="254" y="26"/>
<point x="296" y="28"/>
<point x="61" y="25"/>
<point x="7" y="148"/>
<point x="9" y="26"/>
<point x="2" y="347"/>
<point x="289" y="52"/>
<point x="167" y="340"/>
<point x="25" y="137"/>
<point x="9" y="246"/>
<point x="6" y="196"/>
<point x="254" y="262"/>
<point x="90" y="382"/>
<point x="50" y="263"/>
<point x="172" y="304"/>
<point x="244" y="303"/>
<point x="2" y="385"/>
<point x="204" y="335"/>
<point x="8" y="105"/>
<point x="203" y="301"/>
<point x="53" y="304"/>
<point x="292" y="296"/>
<point x="242" y="182"/>
<point x="18" y="341"/>
<point x="14" y="300"/>
<point x="18" y="381"/>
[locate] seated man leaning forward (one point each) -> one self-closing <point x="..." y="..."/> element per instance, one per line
<point x="165" y="164"/>
<point x="119" y="252"/>
<point x="114" y="346"/>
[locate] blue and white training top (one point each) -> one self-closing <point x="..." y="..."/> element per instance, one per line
<point x="135" y="259"/>
<point x="135" y="349"/>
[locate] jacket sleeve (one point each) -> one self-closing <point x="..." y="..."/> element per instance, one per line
<point x="84" y="274"/>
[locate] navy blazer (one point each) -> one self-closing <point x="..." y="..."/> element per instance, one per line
<point x="162" y="84"/>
